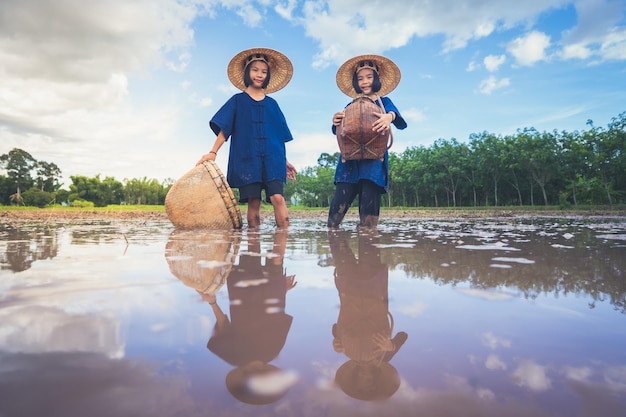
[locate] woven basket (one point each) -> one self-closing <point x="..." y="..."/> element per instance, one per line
<point x="203" y="199"/>
<point x="355" y="136"/>
<point x="202" y="260"/>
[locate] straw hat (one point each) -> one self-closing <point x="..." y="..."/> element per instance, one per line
<point x="238" y="383"/>
<point x="280" y="67"/>
<point x="381" y="383"/>
<point x="388" y="72"/>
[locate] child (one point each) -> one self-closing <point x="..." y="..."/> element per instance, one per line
<point x="364" y="328"/>
<point x="373" y="76"/>
<point x="258" y="130"/>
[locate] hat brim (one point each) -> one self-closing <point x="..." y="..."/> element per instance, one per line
<point x="237" y="383"/>
<point x="281" y="68"/>
<point x="383" y="386"/>
<point x="388" y="72"/>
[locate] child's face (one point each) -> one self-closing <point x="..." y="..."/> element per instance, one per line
<point x="258" y="73"/>
<point x="365" y="79"/>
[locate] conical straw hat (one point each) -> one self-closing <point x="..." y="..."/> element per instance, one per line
<point x="281" y="68"/>
<point x="388" y="72"/>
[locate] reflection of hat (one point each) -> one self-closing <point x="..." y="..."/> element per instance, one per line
<point x="202" y="260"/>
<point x="368" y="382"/>
<point x="387" y="70"/>
<point x="258" y="383"/>
<point x="280" y="67"/>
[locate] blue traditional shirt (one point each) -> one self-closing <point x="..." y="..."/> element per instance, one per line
<point x="258" y="132"/>
<point x="374" y="170"/>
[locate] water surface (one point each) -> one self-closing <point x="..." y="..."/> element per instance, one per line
<point x="492" y="317"/>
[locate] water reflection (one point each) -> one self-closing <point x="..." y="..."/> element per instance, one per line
<point x="202" y="260"/>
<point x="502" y="317"/>
<point x="258" y="326"/>
<point x="256" y="331"/>
<point x="364" y="328"/>
<point x="20" y="247"/>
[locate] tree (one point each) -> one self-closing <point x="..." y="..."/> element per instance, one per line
<point x="18" y="164"/>
<point x="48" y="176"/>
<point x="489" y="151"/>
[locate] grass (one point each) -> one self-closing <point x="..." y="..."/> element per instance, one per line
<point x="385" y="211"/>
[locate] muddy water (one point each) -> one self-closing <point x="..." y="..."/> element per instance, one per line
<point x="497" y="317"/>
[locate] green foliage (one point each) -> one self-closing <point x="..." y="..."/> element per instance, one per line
<point x="38" y="198"/>
<point x="526" y="168"/>
<point x="78" y="203"/>
<point x="523" y="169"/>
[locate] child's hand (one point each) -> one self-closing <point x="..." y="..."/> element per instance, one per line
<point x="207" y="157"/>
<point x="338" y="117"/>
<point x="383" y="343"/>
<point x="383" y="123"/>
<point x="291" y="172"/>
<point x="291" y="282"/>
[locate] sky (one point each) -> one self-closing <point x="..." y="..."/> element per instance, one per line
<point x="126" y="88"/>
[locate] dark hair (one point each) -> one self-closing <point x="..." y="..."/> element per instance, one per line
<point x="247" y="80"/>
<point x="376" y="85"/>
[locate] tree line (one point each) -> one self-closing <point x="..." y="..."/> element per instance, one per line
<point x="528" y="167"/>
<point x="31" y="182"/>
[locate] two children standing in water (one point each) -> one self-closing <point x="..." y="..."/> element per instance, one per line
<point x="258" y="131"/>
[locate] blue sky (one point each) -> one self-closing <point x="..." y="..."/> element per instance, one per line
<point x="126" y="88"/>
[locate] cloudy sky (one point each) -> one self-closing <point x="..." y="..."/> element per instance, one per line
<point x="126" y="88"/>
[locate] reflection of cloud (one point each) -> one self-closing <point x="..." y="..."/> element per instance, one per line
<point x="414" y="310"/>
<point x="494" y="246"/>
<point x="493" y="362"/>
<point x="532" y="375"/>
<point x="489" y="294"/>
<point x="516" y="260"/>
<point x="493" y="342"/>
<point x="34" y="329"/>
<point x="272" y="383"/>
<point x="88" y="384"/>
<point x="577" y="374"/>
<point x="616" y="378"/>
<point x="612" y="236"/>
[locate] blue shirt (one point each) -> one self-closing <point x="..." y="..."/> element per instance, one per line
<point x="258" y="132"/>
<point x="373" y="170"/>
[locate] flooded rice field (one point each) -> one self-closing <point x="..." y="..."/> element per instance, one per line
<point x="491" y="317"/>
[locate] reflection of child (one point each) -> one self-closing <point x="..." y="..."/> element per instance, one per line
<point x="364" y="326"/>
<point x="258" y="130"/>
<point x="258" y="325"/>
<point x="373" y="76"/>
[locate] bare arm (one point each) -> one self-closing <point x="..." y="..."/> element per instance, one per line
<point x="219" y="141"/>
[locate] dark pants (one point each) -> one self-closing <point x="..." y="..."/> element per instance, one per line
<point x="369" y="202"/>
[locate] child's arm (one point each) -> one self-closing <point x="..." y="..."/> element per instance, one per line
<point x="219" y="141"/>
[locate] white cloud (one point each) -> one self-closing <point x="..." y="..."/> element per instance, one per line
<point x="578" y="374"/>
<point x="487" y="86"/>
<point x="340" y="35"/>
<point x="65" y="70"/>
<point x="577" y="51"/>
<point x="493" y="62"/>
<point x="529" y="49"/>
<point x="493" y="342"/>
<point x="206" y="101"/>
<point x="414" y="115"/>
<point x="533" y="376"/>
<point x="493" y="362"/>
<point x="614" y="45"/>
<point x="472" y="66"/>
<point x="615" y="377"/>
<point x="414" y="310"/>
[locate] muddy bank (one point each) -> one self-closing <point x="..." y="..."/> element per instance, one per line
<point x="70" y="215"/>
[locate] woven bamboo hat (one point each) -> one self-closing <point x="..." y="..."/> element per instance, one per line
<point x="280" y="67"/>
<point x="382" y="383"/>
<point x="388" y="72"/>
